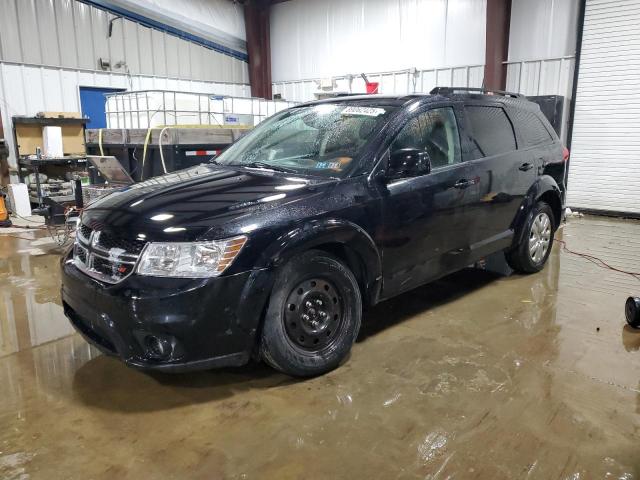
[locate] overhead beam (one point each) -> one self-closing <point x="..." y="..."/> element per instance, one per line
<point x="256" y="19"/>
<point x="497" y="43"/>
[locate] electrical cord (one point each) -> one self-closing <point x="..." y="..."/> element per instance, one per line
<point x="597" y="261"/>
<point x="16" y="236"/>
<point x="27" y="220"/>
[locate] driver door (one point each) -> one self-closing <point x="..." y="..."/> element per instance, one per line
<point x="426" y="217"/>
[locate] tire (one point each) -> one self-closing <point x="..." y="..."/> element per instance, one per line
<point x="530" y="255"/>
<point x="313" y="317"/>
<point x="632" y="311"/>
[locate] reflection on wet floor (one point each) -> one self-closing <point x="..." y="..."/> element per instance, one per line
<point x="474" y="376"/>
<point x="31" y="311"/>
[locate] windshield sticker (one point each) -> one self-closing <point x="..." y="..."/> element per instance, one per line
<point x="364" y="111"/>
<point x="334" y="165"/>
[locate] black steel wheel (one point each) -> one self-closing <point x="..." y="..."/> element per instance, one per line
<point x="313" y="316"/>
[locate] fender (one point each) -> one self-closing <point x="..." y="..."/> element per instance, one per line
<point x="329" y="231"/>
<point x="545" y="185"/>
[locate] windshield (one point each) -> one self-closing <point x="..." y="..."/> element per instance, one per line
<point x="325" y="139"/>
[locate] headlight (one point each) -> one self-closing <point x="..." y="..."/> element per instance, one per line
<point x="189" y="260"/>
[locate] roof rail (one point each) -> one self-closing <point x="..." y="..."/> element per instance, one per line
<point x="486" y="91"/>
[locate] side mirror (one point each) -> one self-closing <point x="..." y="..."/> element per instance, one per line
<point x="408" y="162"/>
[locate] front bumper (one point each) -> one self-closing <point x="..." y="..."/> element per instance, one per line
<point x="200" y="323"/>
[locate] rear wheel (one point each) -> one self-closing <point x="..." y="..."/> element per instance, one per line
<point x="530" y="255"/>
<point x="313" y="317"/>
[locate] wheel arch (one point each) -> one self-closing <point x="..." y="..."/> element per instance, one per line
<point x="544" y="189"/>
<point x="341" y="238"/>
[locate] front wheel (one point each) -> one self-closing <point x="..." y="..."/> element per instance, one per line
<point x="530" y="255"/>
<point x="313" y="317"/>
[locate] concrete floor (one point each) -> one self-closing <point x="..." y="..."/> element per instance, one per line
<point x="475" y="376"/>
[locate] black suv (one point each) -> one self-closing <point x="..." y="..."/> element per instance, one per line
<point x="274" y="248"/>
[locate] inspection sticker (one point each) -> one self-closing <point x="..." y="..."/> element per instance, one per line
<point x="366" y="111"/>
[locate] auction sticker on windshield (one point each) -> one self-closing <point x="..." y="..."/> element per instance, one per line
<point x="366" y="111"/>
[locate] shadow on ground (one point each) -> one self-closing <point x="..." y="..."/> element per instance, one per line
<point x="107" y="383"/>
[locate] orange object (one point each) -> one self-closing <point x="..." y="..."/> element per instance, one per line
<point x="4" y="215"/>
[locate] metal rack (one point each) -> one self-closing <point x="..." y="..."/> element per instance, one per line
<point x="151" y="108"/>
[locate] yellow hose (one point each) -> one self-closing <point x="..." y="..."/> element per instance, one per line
<point x="100" y="142"/>
<point x="165" y="127"/>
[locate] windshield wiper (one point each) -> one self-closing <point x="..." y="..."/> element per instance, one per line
<point x="269" y="166"/>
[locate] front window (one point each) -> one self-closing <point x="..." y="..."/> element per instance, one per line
<point x="435" y="132"/>
<point x="326" y="139"/>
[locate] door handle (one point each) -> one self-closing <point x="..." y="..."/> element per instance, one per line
<point x="525" y="166"/>
<point x="463" y="183"/>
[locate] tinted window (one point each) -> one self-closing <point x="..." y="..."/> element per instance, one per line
<point x="492" y="130"/>
<point x="530" y="128"/>
<point x="435" y="131"/>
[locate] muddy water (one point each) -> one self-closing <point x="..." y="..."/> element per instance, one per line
<point x="475" y="376"/>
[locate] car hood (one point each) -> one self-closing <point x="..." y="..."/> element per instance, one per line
<point x="196" y="203"/>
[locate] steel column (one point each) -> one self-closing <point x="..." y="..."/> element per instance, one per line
<point x="497" y="43"/>
<point x="256" y="19"/>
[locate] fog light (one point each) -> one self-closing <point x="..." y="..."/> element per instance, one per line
<point x="632" y="311"/>
<point x="156" y="347"/>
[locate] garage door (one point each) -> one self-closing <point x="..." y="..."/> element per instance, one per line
<point x="604" y="173"/>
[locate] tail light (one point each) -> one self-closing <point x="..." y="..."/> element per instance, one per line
<point x="565" y="154"/>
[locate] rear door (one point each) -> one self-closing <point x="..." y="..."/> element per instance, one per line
<point x="536" y="135"/>
<point x="504" y="173"/>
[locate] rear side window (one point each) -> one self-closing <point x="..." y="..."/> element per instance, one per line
<point x="530" y="128"/>
<point x="491" y="130"/>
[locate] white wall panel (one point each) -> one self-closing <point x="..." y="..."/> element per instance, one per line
<point x="132" y="53"/>
<point x="46" y="16"/>
<point x="72" y="34"/>
<point x="84" y="36"/>
<point x="195" y="61"/>
<point x="28" y="28"/>
<point x="173" y="57"/>
<point x="100" y="29"/>
<point x="542" y="29"/>
<point x="184" y="62"/>
<point x="145" y="46"/>
<point x="312" y="39"/>
<point x="66" y="33"/>
<point x="158" y="52"/>
<point x="11" y="49"/>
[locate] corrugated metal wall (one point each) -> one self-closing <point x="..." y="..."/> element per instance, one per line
<point x="49" y="48"/>
<point x="401" y="82"/>
<point x="27" y="90"/>
<point x="71" y="34"/>
<point x="318" y="39"/>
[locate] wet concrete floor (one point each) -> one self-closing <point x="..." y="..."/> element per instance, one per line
<point x="474" y="376"/>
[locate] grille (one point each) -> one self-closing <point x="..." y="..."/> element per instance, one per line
<point x="111" y="269"/>
<point x="105" y="256"/>
<point x="80" y="253"/>
<point x="108" y="241"/>
<point x="85" y="231"/>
